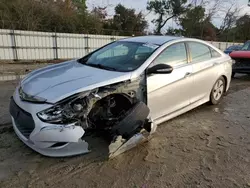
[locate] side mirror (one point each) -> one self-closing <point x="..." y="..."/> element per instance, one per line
<point x="160" y="69"/>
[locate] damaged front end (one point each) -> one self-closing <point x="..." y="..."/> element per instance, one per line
<point x="117" y="112"/>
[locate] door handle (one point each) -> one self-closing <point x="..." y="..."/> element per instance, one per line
<point x="187" y="74"/>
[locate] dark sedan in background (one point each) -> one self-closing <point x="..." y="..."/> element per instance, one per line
<point x="232" y="48"/>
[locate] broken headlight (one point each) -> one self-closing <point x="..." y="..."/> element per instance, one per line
<point x="64" y="111"/>
<point x="53" y="114"/>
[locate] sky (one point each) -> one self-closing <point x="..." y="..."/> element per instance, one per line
<point x="140" y="5"/>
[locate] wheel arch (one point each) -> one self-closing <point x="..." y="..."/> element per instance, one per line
<point x="226" y="82"/>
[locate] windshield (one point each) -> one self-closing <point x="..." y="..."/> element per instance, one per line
<point x="246" y="46"/>
<point x="120" y="56"/>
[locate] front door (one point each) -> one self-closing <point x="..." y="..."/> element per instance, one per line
<point x="168" y="93"/>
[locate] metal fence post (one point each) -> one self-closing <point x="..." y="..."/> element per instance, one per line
<point x="55" y="47"/>
<point x="13" y="44"/>
<point x="86" y="44"/>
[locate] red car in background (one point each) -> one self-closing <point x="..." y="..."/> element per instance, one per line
<point x="242" y="59"/>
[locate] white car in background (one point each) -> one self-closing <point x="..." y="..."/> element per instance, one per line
<point x="123" y="90"/>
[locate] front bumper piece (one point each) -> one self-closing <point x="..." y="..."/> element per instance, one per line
<point x="46" y="139"/>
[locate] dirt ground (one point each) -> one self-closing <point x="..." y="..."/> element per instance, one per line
<point x="23" y="67"/>
<point x="206" y="147"/>
<point x="19" y="69"/>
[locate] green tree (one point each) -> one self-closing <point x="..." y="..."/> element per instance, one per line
<point x="172" y="31"/>
<point x="165" y="10"/>
<point x="243" y="29"/>
<point x="80" y="6"/>
<point x="127" y="21"/>
<point x="195" y="23"/>
<point x="192" y="21"/>
<point x="43" y="15"/>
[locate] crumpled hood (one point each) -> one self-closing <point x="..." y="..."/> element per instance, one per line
<point x="58" y="81"/>
<point x="240" y="54"/>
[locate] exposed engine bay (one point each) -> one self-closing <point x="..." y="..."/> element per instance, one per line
<point x="118" y="112"/>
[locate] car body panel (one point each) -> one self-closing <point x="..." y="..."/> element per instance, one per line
<point x="74" y="132"/>
<point x="162" y="95"/>
<point x="72" y="148"/>
<point x="204" y="75"/>
<point x="69" y="78"/>
<point x="240" y="54"/>
<point x="167" y="95"/>
<point x="57" y="133"/>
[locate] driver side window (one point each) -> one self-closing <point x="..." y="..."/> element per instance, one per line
<point x="174" y="55"/>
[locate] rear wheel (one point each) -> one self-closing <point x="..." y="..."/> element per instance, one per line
<point x="218" y="91"/>
<point x="233" y="74"/>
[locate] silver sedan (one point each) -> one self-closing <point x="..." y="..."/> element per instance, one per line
<point x="121" y="91"/>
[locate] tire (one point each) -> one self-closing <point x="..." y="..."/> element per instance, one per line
<point x="233" y="74"/>
<point x="217" y="91"/>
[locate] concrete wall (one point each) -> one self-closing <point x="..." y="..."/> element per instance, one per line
<point x="32" y="45"/>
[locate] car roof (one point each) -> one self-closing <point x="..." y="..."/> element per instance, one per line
<point x="151" y="39"/>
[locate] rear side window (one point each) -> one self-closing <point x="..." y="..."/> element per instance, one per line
<point x="199" y="52"/>
<point x="215" y="53"/>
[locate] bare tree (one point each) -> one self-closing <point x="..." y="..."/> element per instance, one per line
<point x="214" y="8"/>
<point x="230" y="18"/>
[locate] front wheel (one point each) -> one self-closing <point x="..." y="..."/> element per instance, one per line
<point x="218" y="91"/>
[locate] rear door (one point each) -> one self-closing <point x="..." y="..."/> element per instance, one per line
<point x="168" y="93"/>
<point x="205" y="71"/>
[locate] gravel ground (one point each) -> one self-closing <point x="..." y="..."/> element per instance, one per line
<point x="23" y="67"/>
<point x="206" y="147"/>
<point x="7" y="89"/>
<point x="19" y="69"/>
